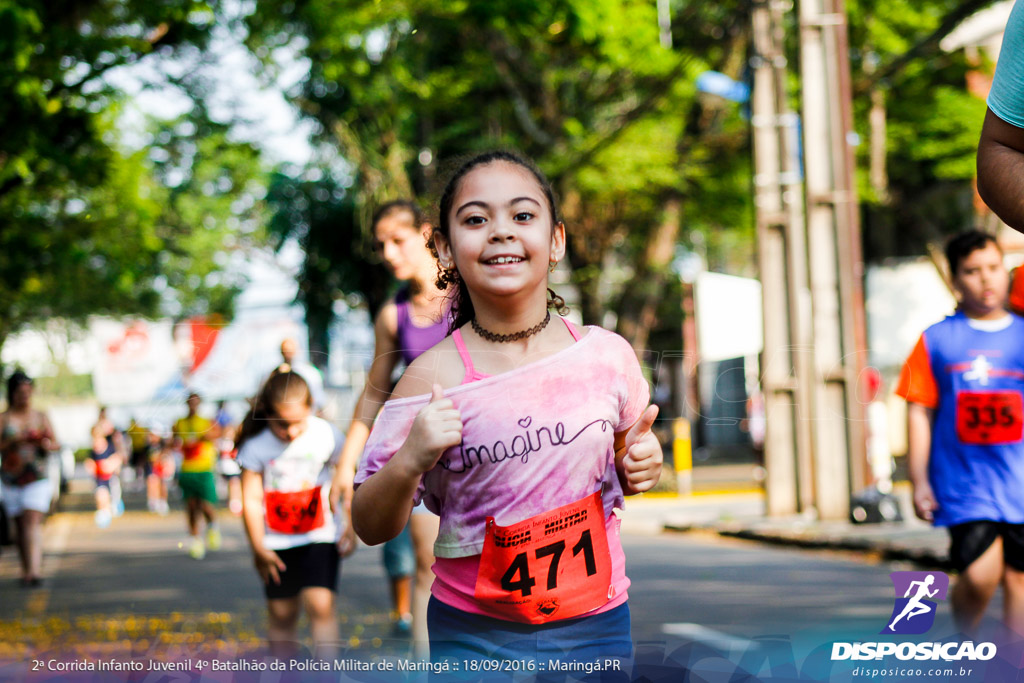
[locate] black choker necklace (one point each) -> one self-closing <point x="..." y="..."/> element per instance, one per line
<point x="515" y="336"/>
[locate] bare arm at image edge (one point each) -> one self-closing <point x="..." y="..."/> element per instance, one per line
<point x="1001" y="169"/>
<point x="1001" y="149"/>
<point x="375" y="392"/>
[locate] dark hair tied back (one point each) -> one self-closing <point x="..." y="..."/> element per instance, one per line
<point x="398" y="206"/>
<point x="17" y="378"/>
<point x="282" y="385"/>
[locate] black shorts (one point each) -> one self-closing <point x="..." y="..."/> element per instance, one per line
<point x="308" y="566"/>
<point x="969" y="540"/>
<point x="139" y="456"/>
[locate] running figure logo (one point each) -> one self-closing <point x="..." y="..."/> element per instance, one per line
<point x="914" y="612"/>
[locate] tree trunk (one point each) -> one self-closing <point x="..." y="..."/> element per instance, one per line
<point x="319" y="341"/>
<point x="585" y="249"/>
<point x="639" y="303"/>
<point x="3" y="339"/>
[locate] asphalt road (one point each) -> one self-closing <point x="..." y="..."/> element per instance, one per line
<point x="132" y="586"/>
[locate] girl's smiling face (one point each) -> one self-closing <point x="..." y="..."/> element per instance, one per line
<point x="501" y="234"/>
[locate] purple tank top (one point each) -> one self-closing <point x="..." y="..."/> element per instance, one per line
<point x="414" y="340"/>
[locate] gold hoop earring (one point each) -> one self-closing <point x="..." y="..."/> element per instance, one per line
<point x="552" y="265"/>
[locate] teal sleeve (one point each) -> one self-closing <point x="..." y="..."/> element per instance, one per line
<point x="1006" y="99"/>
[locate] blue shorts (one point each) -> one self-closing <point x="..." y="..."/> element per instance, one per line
<point x="399" y="558"/>
<point x="459" y="635"/>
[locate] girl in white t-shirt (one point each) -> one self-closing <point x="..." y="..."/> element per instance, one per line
<point x="287" y="456"/>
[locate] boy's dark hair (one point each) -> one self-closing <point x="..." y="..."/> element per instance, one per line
<point x="962" y="245"/>
<point x="461" y="305"/>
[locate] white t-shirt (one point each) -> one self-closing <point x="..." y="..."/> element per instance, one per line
<point x="296" y="484"/>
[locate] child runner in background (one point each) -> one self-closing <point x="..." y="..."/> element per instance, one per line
<point x="105" y="462"/>
<point x="193" y="435"/>
<point x="138" y="437"/>
<point x="26" y="436"/>
<point x="227" y="465"/>
<point x="159" y="472"/>
<point x="287" y="456"/>
<point x="415" y="320"/>
<point x="522" y="435"/>
<point x="964" y="386"/>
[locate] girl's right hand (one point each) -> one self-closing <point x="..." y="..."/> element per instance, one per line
<point x="268" y="564"/>
<point x="437" y="427"/>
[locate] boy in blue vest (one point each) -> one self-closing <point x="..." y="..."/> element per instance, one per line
<point x="964" y="386"/>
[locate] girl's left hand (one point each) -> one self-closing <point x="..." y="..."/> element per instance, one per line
<point x="268" y="564"/>
<point x="347" y="542"/>
<point x="641" y="465"/>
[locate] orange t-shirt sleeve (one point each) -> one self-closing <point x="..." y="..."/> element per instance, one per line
<point x="1017" y="291"/>
<point x="917" y="381"/>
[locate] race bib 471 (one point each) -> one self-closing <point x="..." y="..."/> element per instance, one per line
<point x="554" y="565"/>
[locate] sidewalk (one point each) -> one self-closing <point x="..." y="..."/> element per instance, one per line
<point x="741" y="515"/>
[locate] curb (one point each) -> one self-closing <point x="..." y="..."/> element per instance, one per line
<point x="922" y="557"/>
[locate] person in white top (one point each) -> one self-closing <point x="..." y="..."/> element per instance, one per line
<point x="287" y="456"/>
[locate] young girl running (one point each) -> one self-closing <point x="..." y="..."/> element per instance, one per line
<point x="415" y="320"/>
<point x="105" y="463"/>
<point x="522" y="435"/>
<point x="160" y="470"/>
<point x="287" y="456"/>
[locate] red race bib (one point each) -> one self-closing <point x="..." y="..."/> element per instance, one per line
<point x="555" y="565"/>
<point x="989" y="417"/>
<point x="191" y="451"/>
<point x="106" y="467"/>
<point x="298" y="512"/>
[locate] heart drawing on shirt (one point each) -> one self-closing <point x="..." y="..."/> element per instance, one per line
<point x="525" y="422"/>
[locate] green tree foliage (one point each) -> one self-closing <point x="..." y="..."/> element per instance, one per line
<point x="212" y="191"/>
<point x="88" y="225"/>
<point x="641" y="161"/>
<point x="933" y="122"/>
<point x="321" y="216"/>
<point x="584" y="87"/>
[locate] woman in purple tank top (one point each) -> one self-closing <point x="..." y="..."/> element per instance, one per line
<point x="415" y="320"/>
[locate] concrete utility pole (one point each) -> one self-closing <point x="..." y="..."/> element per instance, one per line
<point x="834" y="249"/>
<point x="787" y="363"/>
<point x="810" y="269"/>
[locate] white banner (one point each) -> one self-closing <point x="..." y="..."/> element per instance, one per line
<point x="728" y="311"/>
